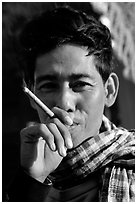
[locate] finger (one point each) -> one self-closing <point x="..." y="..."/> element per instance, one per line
<point x="33" y="133"/>
<point x="64" y="133"/>
<point x="62" y="115"/>
<point x="59" y="141"/>
<point x="47" y="136"/>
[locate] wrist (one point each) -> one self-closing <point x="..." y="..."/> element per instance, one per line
<point x="40" y="178"/>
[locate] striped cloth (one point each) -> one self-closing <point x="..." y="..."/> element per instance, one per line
<point x="111" y="153"/>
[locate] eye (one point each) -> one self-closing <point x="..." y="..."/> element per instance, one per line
<point x="48" y="87"/>
<point x="81" y="86"/>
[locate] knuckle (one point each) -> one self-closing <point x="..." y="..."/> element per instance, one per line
<point x="56" y="121"/>
<point x="59" y="142"/>
<point x="59" y="138"/>
<point x="55" y="109"/>
<point x="41" y="127"/>
<point x="23" y="133"/>
<point x="65" y="131"/>
<point x="51" y="125"/>
<point x="49" y="139"/>
<point x="48" y="136"/>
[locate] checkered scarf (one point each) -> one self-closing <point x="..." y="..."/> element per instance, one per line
<point x="111" y="153"/>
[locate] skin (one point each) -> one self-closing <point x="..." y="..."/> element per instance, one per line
<point x="67" y="81"/>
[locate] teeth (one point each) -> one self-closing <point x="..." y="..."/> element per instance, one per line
<point x="73" y="126"/>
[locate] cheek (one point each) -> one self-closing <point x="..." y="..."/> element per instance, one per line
<point x="93" y="107"/>
<point x="93" y="101"/>
<point x="48" y="99"/>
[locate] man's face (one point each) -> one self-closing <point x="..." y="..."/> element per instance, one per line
<point x="68" y="79"/>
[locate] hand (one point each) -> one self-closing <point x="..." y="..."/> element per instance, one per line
<point x="40" y="142"/>
<point x="58" y="137"/>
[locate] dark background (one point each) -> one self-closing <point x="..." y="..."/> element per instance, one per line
<point x="16" y="110"/>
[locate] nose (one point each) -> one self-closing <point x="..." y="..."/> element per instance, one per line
<point x="66" y="100"/>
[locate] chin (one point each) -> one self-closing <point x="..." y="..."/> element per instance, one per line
<point x="77" y="135"/>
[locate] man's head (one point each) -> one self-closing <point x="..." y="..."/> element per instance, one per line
<point x="69" y="59"/>
<point x="62" y="26"/>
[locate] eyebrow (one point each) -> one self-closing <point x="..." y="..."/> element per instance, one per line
<point x="78" y="76"/>
<point x="54" y="77"/>
<point x="48" y="77"/>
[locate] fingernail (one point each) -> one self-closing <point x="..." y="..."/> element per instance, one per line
<point x="53" y="147"/>
<point x="63" y="152"/>
<point x="68" y="120"/>
<point x="69" y="143"/>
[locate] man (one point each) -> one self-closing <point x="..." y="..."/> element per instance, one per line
<point x="78" y="155"/>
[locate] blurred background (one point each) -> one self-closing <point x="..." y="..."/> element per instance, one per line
<point x="16" y="110"/>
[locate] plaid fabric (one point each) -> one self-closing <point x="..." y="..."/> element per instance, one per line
<point x="112" y="153"/>
<point x="118" y="185"/>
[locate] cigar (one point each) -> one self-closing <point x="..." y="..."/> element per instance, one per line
<point x="38" y="102"/>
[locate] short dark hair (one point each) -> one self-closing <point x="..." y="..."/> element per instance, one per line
<point x="65" y="25"/>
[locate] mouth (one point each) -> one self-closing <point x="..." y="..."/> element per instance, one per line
<point x="73" y="126"/>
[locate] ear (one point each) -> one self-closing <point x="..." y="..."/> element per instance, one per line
<point x="32" y="103"/>
<point x="111" y="89"/>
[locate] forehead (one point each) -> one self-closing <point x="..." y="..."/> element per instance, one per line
<point x="64" y="61"/>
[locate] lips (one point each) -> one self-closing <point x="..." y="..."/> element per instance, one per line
<point x="73" y="126"/>
<point x="77" y="122"/>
